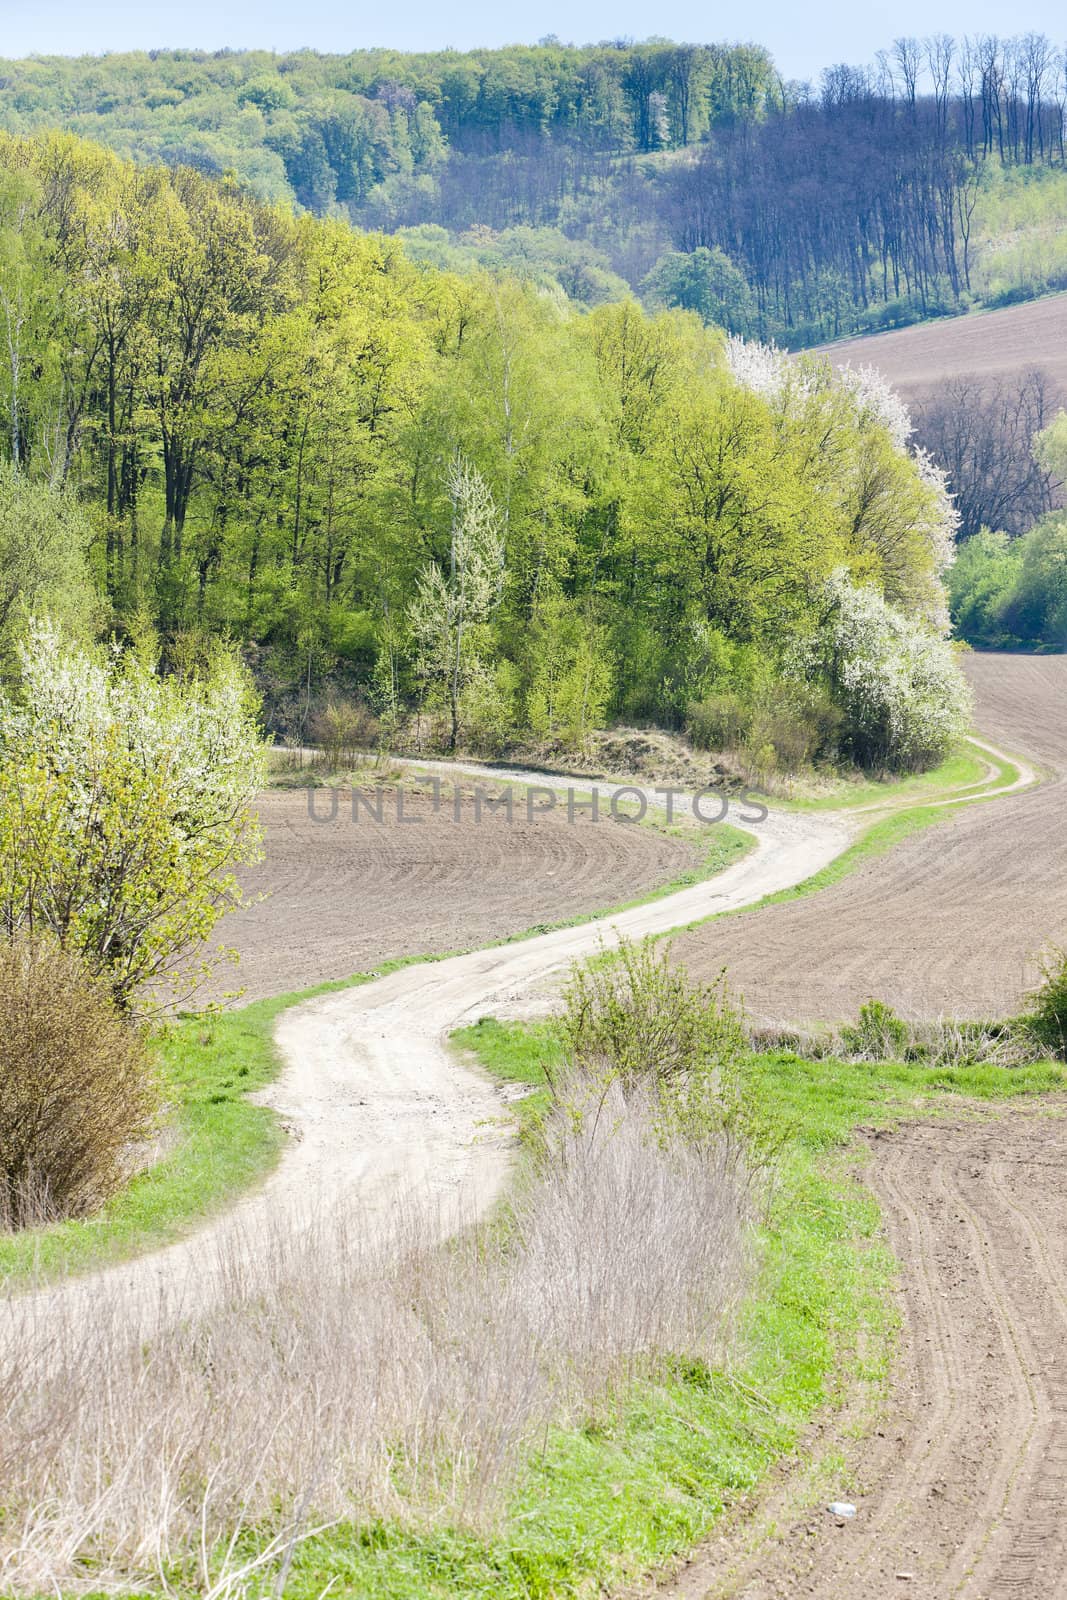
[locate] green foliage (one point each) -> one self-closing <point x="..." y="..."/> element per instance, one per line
<point x="123" y="806"/>
<point x="344" y="730"/>
<point x="45" y="540"/>
<point x="522" y="159"/>
<point x="1012" y="594"/>
<point x="878" y="1035"/>
<point x="373" y="130"/>
<point x="571" y="672"/>
<point x="638" y="1022"/>
<point x="981" y="583"/>
<point x="258" y="413"/>
<point x="707" y="282"/>
<point x="1048" y="1018"/>
<point x="1019" y="249"/>
<point x="545" y="257"/>
<point x="1050" y="446"/>
<point x="773" y="723"/>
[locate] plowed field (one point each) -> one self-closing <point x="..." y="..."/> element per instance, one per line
<point x="949" y="922"/>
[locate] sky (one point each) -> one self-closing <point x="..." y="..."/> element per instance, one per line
<point x="803" y="38"/>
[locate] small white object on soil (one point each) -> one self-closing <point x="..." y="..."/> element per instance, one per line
<point x="841" y="1508"/>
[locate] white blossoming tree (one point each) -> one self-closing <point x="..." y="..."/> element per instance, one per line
<point x="904" y="698"/>
<point x="450" y="607"/>
<point x="890" y="496"/>
<point x="124" y="805"/>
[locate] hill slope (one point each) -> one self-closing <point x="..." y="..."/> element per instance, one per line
<point x="1002" y="344"/>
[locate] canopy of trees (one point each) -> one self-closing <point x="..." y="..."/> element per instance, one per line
<point x="808" y="212"/>
<point x="855" y="206"/>
<point x="373" y="125"/>
<point x="1011" y="593"/>
<point x="262" y="415"/>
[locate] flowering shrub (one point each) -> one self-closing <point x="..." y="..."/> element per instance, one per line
<point x="904" y="699"/>
<point x="124" y="802"/>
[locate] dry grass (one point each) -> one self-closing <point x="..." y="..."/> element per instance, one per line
<point x="75" y="1087"/>
<point x="945" y="1043"/>
<point x="339" y="1379"/>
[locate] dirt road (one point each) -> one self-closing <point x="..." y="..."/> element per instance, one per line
<point x="960" y="1491"/>
<point x="382" y="1116"/>
<point x="948" y="923"/>
<point x="337" y="894"/>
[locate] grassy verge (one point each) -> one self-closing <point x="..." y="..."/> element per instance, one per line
<point x="220" y="1143"/>
<point x="626" y="1491"/>
<point x="965" y="769"/>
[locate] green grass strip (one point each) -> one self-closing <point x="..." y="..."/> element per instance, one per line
<point x="965" y="768"/>
<point x="611" y="1497"/>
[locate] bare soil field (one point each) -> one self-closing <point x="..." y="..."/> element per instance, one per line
<point x="988" y="344"/>
<point x="949" y="922"/>
<point x="341" y="897"/>
<point x="960" y="1489"/>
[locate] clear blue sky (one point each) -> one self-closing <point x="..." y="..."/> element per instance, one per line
<point x="802" y="37"/>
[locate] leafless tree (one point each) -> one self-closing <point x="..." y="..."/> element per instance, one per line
<point x="981" y="434"/>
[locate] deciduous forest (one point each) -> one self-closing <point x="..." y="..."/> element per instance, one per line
<point x="476" y="500"/>
<point x="692" y="173"/>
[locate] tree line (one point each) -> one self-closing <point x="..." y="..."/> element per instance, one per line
<point x="380" y="124"/>
<point x="261" y="416"/>
<point x="849" y="204"/>
<point x="855" y="205"/>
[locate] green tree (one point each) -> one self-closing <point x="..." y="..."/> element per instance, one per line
<point x="44" y="559"/>
<point x="707" y="282"/>
<point x="570" y="672"/>
<point x="124" y="805"/>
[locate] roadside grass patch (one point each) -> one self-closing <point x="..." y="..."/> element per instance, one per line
<point x="654" y="1471"/>
<point x="221" y="1143"/>
<point x="964" y="768"/>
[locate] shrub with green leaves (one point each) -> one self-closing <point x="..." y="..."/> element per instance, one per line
<point x="1048" y="1018"/>
<point x="635" y="1027"/>
<point x="642" y="1021"/>
<point x="124" y="805"/>
<point x="878" y="1035"/>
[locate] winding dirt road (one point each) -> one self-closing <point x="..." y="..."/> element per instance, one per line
<point x="965" y="1489"/>
<point x="380" y="1114"/>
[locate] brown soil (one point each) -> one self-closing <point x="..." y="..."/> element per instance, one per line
<point x="960" y="1491"/>
<point x="992" y="344"/>
<point x="342" y="897"/>
<point x="949" y="922"/>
